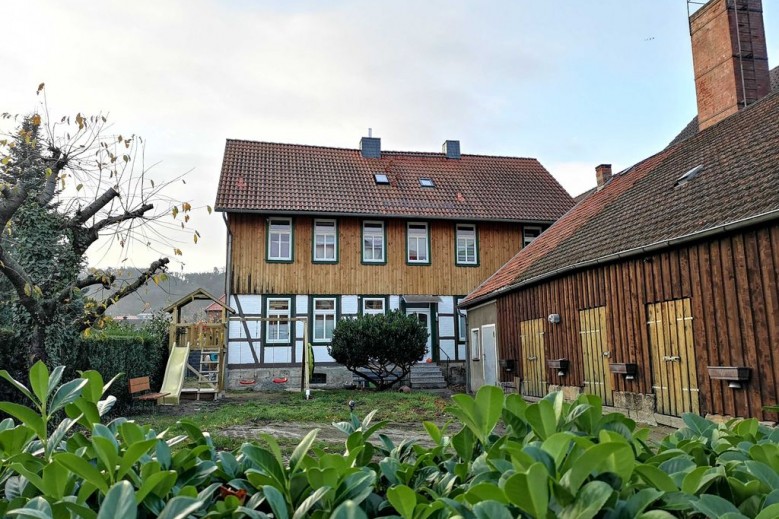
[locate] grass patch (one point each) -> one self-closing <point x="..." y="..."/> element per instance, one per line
<point x="325" y="407"/>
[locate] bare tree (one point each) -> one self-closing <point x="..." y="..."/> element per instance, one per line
<point x="64" y="185"/>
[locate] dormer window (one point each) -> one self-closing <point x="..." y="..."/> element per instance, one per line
<point x="381" y="178"/>
<point x="426" y="182"/>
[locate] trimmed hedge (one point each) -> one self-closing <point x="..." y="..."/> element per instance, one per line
<point x="137" y="355"/>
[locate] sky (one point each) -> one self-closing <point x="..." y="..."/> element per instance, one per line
<point x="571" y="83"/>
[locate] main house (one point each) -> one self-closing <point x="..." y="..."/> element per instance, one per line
<point x="659" y="291"/>
<point x="326" y="233"/>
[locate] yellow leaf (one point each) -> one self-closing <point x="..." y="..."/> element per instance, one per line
<point x="208" y="208"/>
<point x="49" y="172"/>
<point x="186" y="207"/>
<point x="195" y="237"/>
<point x="36" y="120"/>
<point x="78" y="187"/>
<point x="40" y="87"/>
<point x="87" y="332"/>
<point x="175" y="212"/>
<point x="27" y="289"/>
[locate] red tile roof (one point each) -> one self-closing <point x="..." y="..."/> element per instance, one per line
<point x="643" y="207"/>
<point x="289" y="178"/>
<point x="216" y="307"/>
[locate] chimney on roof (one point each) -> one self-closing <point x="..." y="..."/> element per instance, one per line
<point x="729" y="57"/>
<point x="452" y="149"/>
<point x="602" y="175"/>
<point x="370" y="147"/>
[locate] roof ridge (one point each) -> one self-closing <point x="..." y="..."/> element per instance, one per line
<point x="432" y="154"/>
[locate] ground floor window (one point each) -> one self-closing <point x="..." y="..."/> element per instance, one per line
<point x="373" y="305"/>
<point x="278" y="329"/>
<point x="324" y="318"/>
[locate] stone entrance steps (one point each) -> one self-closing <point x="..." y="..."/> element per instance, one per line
<point x="427" y="376"/>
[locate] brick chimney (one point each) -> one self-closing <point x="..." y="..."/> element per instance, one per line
<point x="729" y="57"/>
<point x="602" y="175"/>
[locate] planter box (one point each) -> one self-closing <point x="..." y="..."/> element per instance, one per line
<point x="559" y="364"/>
<point x="623" y="368"/>
<point x="733" y="373"/>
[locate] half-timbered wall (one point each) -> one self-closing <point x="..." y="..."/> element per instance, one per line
<point x="252" y="274"/>
<point x="731" y="284"/>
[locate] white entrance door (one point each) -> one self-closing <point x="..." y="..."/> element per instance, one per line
<point x="489" y="355"/>
<point x="423" y="314"/>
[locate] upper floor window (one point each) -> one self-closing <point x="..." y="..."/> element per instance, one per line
<point x="373" y="305"/>
<point x="530" y="233"/>
<point x="278" y="325"/>
<point x="418" y="243"/>
<point x="373" y="242"/>
<point x="324" y="318"/>
<point x="279" y="239"/>
<point x="466" y="245"/>
<point x="325" y="240"/>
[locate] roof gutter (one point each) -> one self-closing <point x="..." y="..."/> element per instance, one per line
<point x="380" y="216"/>
<point x="629" y="253"/>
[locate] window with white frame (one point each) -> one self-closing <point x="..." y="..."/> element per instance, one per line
<point x="530" y="233"/>
<point x="325" y="240"/>
<point x="466" y="245"/>
<point x="372" y="305"/>
<point x="280" y="239"/>
<point x="278" y="327"/>
<point x="418" y="247"/>
<point x="462" y="330"/>
<point x="475" y="345"/>
<point x="373" y="242"/>
<point x="324" y="318"/>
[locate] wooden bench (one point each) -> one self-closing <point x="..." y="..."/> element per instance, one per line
<point x="141" y="385"/>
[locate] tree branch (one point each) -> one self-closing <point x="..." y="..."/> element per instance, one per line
<point x="82" y="215"/>
<point x="127" y="215"/>
<point x="158" y="266"/>
<point x="100" y="278"/>
<point x="60" y="161"/>
<point x="20" y="281"/>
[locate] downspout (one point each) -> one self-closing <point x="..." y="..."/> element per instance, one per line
<point x="228" y="275"/>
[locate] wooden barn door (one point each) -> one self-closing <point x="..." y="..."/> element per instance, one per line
<point x="672" y="353"/>
<point x="596" y="353"/>
<point x="533" y="359"/>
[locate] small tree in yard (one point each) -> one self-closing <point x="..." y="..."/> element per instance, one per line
<point x="384" y="346"/>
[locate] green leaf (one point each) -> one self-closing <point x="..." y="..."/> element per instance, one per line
<point x="403" y="499"/>
<point x="486" y="492"/>
<point x="119" y="502"/>
<point x="37" y="508"/>
<point x="348" y="510"/>
<point x="133" y="453"/>
<point x="309" y="502"/>
<point x="491" y="510"/>
<point x="83" y="469"/>
<point x="656" y="477"/>
<point x="714" y="507"/>
<point x="54" y="379"/>
<point x="541" y="417"/>
<point x="700" y="478"/>
<point x="67" y="394"/>
<point x="276" y="501"/>
<point x="530" y="490"/>
<point x="588" y="502"/>
<point x="301" y="450"/>
<point x="18" y="385"/>
<point x="26" y="416"/>
<point x="656" y="514"/>
<point x="610" y="455"/>
<point x="159" y="483"/>
<point x="39" y="382"/>
<point x="180" y="507"/>
<point x="769" y="512"/>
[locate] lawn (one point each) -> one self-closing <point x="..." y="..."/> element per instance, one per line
<point x="288" y="416"/>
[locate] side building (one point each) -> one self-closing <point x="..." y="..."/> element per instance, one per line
<point x="328" y="233"/>
<point x="659" y="291"/>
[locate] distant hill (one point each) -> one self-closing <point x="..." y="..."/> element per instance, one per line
<point x="153" y="297"/>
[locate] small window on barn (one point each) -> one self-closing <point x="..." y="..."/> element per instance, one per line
<point x="426" y="182"/>
<point x="381" y="178"/>
<point x="530" y="233"/>
<point x="694" y="172"/>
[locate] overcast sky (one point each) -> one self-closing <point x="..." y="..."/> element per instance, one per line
<point x="574" y="84"/>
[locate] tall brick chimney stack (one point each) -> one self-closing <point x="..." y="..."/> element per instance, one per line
<point x="730" y="58"/>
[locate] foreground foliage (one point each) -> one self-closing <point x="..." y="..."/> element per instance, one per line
<point x="553" y="459"/>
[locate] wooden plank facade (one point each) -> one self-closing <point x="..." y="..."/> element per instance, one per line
<point x="709" y="303"/>
<point x="251" y="274"/>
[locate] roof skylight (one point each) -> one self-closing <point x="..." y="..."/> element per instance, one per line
<point x="426" y="182"/>
<point x="694" y="172"/>
<point x="381" y="178"/>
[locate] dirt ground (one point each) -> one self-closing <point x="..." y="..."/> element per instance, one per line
<point x="292" y="431"/>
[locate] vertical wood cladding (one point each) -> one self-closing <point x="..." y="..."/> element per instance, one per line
<point x="732" y="285"/>
<point x="251" y="274"/>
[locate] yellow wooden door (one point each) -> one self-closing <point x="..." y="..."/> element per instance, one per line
<point x="596" y="353"/>
<point x="533" y="358"/>
<point x="672" y="354"/>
